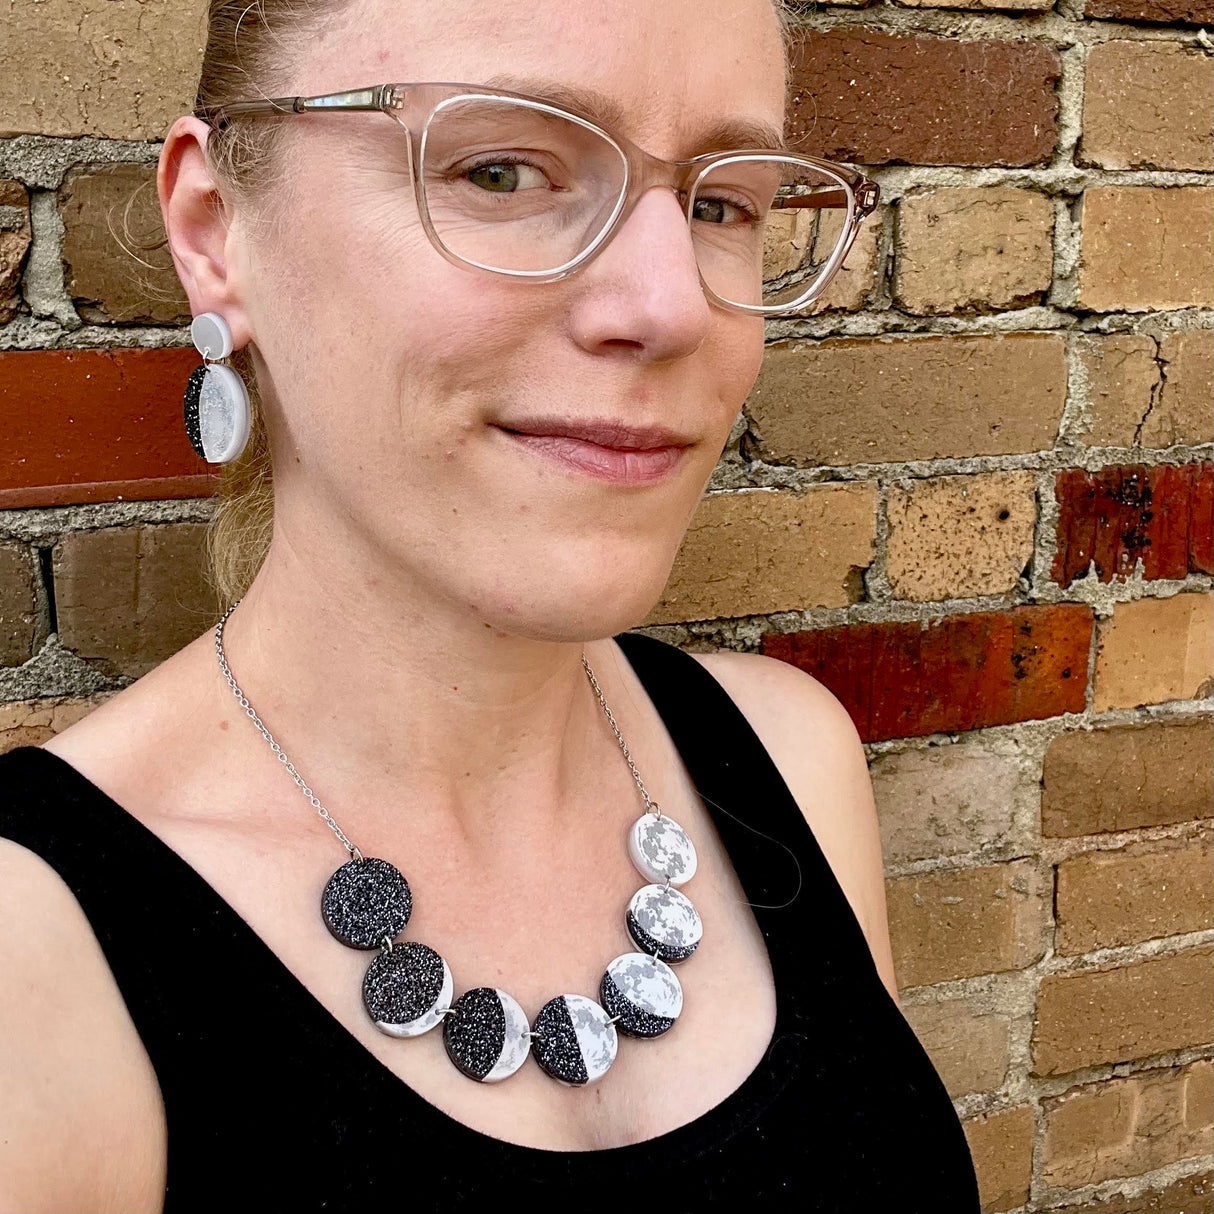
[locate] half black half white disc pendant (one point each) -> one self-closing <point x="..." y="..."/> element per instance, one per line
<point x="365" y="901"/>
<point x="661" y="850"/>
<point x="575" y="1041"/>
<point x="216" y="413"/>
<point x="643" y="992"/>
<point x="407" y="989"/>
<point x="661" y="920"/>
<point x="488" y="1037"/>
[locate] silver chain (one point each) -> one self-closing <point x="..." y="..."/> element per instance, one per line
<point x="651" y="806"/>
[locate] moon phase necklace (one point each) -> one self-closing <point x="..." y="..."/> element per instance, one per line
<point x="408" y="988"/>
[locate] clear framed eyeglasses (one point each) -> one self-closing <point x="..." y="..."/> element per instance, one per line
<point x="512" y="184"/>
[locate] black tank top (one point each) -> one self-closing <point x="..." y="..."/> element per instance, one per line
<point x="845" y="1112"/>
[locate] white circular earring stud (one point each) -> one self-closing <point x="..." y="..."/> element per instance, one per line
<point x="217" y="414"/>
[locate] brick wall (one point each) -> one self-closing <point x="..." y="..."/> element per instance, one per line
<point x="971" y="493"/>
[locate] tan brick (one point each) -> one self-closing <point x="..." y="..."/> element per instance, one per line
<point x="1012" y="6"/>
<point x="1122" y="1013"/>
<point x="973" y="249"/>
<point x="1123" y="1127"/>
<point x="18" y="618"/>
<point x="1123" y="377"/>
<point x="1189" y="1193"/>
<point x="115" y="69"/>
<point x="852" y="287"/>
<point x="1197" y="1104"/>
<point x="1138" y="892"/>
<point x="849" y="401"/>
<point x="15" y="236"/>
<point x="1183" y="413"/>
<point x="955" y="537"/>
<point x="102" y="209"/>
<point x="1145" y="248"/>
<point x="1127" y="776"/>
<point x="944" y="800"/>
<point x="969" y="921"/>
<point x="1148" y="105"/>
<point x="969" y="1049"/>
<point x="1001" y="1145"/>
<point x="1154" y="650"/>
<point x="759" y="551"/>
<point x="32" y="722"/>
<point x="128" y="597"/>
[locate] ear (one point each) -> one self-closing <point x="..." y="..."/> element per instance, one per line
<point x="204" y="241"/>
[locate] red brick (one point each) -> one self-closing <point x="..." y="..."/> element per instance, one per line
<point x="97" y="426"/>
<point x="1182" y="12"/>
<point x="1117" y="515"/>
<point x="862" y="95"/>
<point x="901" y="679"/>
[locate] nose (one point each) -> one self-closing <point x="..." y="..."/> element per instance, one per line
<point x="643" y="291"/>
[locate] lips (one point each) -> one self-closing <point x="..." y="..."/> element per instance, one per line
<point x="606" y="449"/>
<point x="606" y="433"/>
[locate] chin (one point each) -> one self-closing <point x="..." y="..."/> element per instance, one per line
<point x="575" y="613"/>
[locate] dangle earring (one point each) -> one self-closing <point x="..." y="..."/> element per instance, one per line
<point x="217" y="415"/>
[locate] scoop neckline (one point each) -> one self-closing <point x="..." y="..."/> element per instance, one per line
<point x="762" y="1079"/>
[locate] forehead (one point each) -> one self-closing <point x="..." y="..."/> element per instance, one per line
<point x="672" y="75"/>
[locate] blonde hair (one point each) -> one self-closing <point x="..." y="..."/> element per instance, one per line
<point x="250" y="51"/>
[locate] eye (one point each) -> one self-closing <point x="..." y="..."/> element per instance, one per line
<point x="722" y="211"/>
<point x="506" y="177"/>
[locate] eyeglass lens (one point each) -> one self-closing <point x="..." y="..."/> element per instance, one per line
<point x="510" y="186"/>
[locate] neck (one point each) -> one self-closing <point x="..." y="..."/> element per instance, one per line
<point x="385" y="696"/>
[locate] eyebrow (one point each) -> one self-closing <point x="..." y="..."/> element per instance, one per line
<point x="730" y="134"/>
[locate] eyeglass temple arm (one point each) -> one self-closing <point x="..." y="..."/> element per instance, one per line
<point x="377" y="98"/>
<point x="866" y="199"/>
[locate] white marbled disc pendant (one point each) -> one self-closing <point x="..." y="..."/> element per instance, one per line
<point x="488" y="1037"/>
<point x="662" y="920"/>
<point x="643" y="992"/>
<point x="407" y="989"/>
<point x="575" y="1042"/>
<point x="661" y="850"/>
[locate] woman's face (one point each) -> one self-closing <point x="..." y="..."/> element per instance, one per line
<point x="393" y="375"/>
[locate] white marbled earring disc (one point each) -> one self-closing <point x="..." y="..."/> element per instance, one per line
<point x="643" y="992"/>
<point x="223" y="414"/>
<point x="660" y="849"/>
<point x="664" y="921"/>
<point x="407" y="990"/>
<point x="489" y="1036"/>
<point x="576" y="1044"/>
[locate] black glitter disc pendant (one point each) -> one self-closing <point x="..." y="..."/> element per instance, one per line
<point x="407" y="989"/>
<point x="489" y="1037"/>
<point x="193" y="395"/>
<point x="643" y="992"/>
<point x="576" y="1042"/>
<point x="365" y="901"/>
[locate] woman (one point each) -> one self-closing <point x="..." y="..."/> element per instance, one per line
<point x="479" y="479"/>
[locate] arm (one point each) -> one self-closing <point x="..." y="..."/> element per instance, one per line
<point x="818" y="751"/>
<point x="81" y="1123"/>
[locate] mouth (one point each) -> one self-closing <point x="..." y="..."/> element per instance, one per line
<point x="606" y="449"/>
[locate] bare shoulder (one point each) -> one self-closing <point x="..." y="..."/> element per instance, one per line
<point x="817" y="749"/>
<point x="81" y="1122"/>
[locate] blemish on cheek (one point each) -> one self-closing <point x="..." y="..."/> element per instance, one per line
<point x="223" y="725"/>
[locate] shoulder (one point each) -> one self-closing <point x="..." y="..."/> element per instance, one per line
<point x="81" y="1124"/>
<point x="818" y="751"/>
